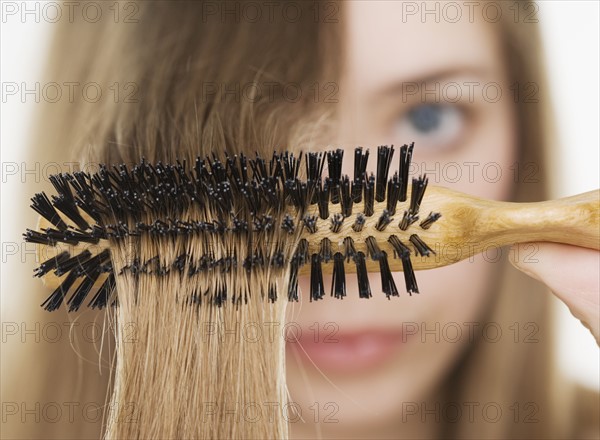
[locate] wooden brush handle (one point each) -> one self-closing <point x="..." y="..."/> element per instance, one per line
<point x="469" y="226"/>
<point x="571" y="220"/>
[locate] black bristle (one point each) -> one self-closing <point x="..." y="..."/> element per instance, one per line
<point x="293" y="280"/>
<point x="323" y="199"/>
<point x="349" y="248"/>
<point x="91" y="265"/>
<point x="154" y="266"/>
<point x="247" y="263"/>
<point x="400" y="249"/>
<point x="407" y="220"/>
<point x="291" y="165"/>
<point x="134" y="267"/>
<point x="360" y="168"/>
<point x="421" y="247"/>
<point x="258" y="166"/>
<point x="373" y="248"/>
<point x="359" y="222"/>
<point x="334" y="165"/>
<point x="288" y="224"/>
<point x="37" y="237"/>
<point x="81" y="237"/>
<point x="69" y="208"/>
<point x="314" y="163"/>
<point x="277" y="259"/>
<point x="338" y="282"/>
<point x="41" y="204"/>
<point x="72" y="263"/>
<point x="409" y="276"/>
<point x="121" y="230"/>
<point x="115" y="302"/>
<point x="336" y="223"/>
<point x="82" y="183"/>
<point x="431" y="219"/>
<point x="297" y="192"/>
<point x="263" y="223"/>
<point x="179" y="264"/>
<point x="357" y="189"/>
<point x="51" y="264"/>
<point x="369" y="195"/>
<point x="301" y="253"/>
<point x="419" y="186"/>
<point x="384" y="160"/>
<point x="195" y="299"/>
<point x="232" y="166"/>
<point x="317" y="290"/>
<point x="299" y="258"/>
<point x="314" y="169"/>
<point x="83" y="290"/>
<point x="57" y="297"/>
<point x="334" y="190"/>
<point x="393" y="193"/>
<point x="383" y="221"/>
<point x="388" y="285"/>
<point x="360" y="163"/>
<point x="220" y="295"/>
<point x="325" y="251"/>
<point x="65" y="202"/>
<point x="364" y="288"/>
<point x="403" y="253"/>
<point x="346" y="197"/>
<point x="405" y="159"/>
<point x="310" y="222"/>
<point x="272" y="292"/>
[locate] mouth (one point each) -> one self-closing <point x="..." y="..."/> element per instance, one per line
<point x="346" y="353"/>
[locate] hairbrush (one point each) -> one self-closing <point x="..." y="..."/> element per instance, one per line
<point x="239" y="214"/>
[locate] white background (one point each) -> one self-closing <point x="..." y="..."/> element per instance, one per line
<point x="571" y="32"/>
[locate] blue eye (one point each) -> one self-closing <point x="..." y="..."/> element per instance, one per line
<point x="432" y="126"/>
<point x="425" y="118"/>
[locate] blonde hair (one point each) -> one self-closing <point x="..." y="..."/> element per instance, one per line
<point x="171" y="59"/>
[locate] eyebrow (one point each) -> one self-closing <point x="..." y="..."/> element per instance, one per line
<point x="396" y="87"/>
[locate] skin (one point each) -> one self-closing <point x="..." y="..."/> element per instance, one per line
<point x="367" y="401"/>
<point x="571" y="273"/>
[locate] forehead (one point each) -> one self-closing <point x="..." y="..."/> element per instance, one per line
<point x="387" y="44"/>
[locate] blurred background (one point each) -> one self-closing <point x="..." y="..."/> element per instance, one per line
<point x="571" y="32"/>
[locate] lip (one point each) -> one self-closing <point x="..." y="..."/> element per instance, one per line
<point x="349" y="353"/>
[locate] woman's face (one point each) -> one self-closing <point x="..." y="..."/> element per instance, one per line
<point x="359" y="362"/>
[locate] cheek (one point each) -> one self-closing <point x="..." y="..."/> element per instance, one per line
<point x="492" y="147"/>
<point x="454" y="293"/>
